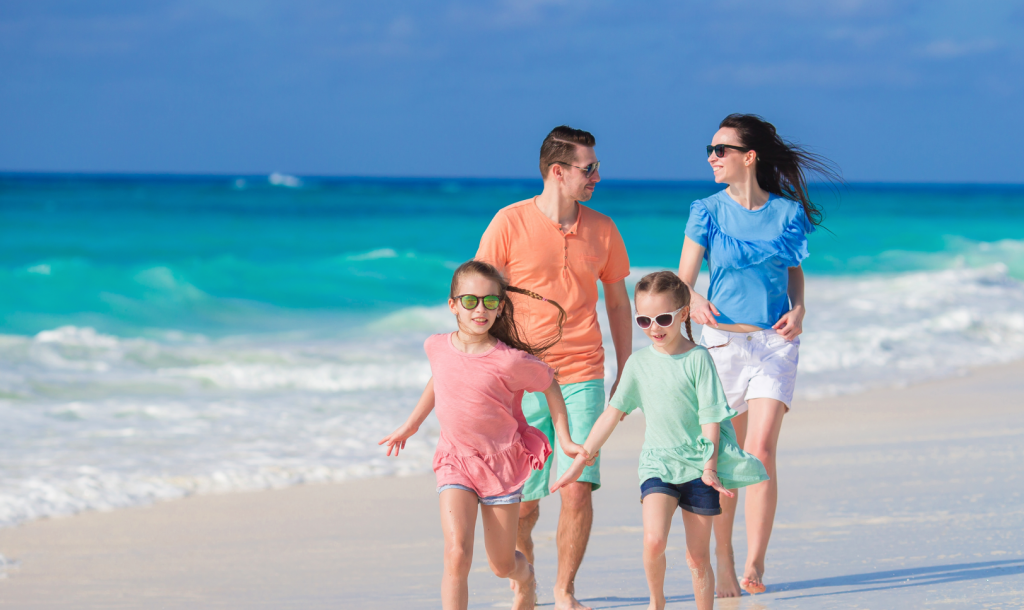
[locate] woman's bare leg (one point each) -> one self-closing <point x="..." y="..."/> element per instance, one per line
<point x="698" y="557"/>
<point x="458" y="521"/>
<point x="726" y="584"/>
<point x="658" y="510"/>
<point x="764" y="423"/>
<point x="501" y="524"/>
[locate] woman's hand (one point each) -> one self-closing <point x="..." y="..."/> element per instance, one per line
<point x="710" y="478"/>
<point x="702" y="311"/>
<point x="571" y="474"/>
<point x="396" y="440"/>
<point x="791" y="324"/>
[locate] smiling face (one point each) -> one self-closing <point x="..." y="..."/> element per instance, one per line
<point x="479" y="320"/>
<point x="735" y="165"/>
<point x="575" y="182"/>
<point x="665" y="338"/>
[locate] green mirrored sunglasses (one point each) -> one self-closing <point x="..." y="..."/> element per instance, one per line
<point x="469" y="301"/>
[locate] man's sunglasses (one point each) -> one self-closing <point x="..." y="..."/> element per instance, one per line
<point x="588" y="170"/>
<point x="663" y="319"/>
<point x="470" y="301"/>
<point x="719" y="149"/>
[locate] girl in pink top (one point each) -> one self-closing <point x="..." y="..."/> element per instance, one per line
<point x="487" y="449"/>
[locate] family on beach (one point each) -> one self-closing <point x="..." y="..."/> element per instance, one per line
<point x="523" y="376"/>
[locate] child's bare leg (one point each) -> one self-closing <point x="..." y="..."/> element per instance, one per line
<point x="726" y="584"/>
<point x="698" y="558"/>
<point x="501" y="523"/>
<point x="458" y="522"/>
<point x="529" y="512"/>
<point x="658" y="510"/>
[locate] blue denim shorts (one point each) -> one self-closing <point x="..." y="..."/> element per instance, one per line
<point x="513" y="498"/>
<point x="696" y="496"/>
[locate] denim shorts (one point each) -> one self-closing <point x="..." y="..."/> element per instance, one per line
<point x="513" y="498"/>
<point x="696" y="496"/>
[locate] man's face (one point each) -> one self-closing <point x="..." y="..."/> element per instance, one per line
<point x="576" y="182"/>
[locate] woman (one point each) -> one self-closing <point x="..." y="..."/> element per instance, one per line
<point x="753" y="235"/>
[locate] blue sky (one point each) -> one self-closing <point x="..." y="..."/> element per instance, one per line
<point x="906" y="91"/>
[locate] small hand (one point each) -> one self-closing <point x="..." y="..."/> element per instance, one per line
<point x="573" y="450"/>
<point x="791" y="324"/>
<point x="710" y="478"/>
<point x="702" y="311"/>
<point x="570" y="475"/>
<point x="396" y="440"/>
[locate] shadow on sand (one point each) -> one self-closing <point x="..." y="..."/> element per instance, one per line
<point x="860" y="583"/>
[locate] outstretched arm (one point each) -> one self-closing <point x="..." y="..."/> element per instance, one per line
<point x="396" y="440"/>
<point x="712" y="432"/>
<point x="599" y="434"/>
<point x="701" y="310"/>
<point x="791" y="324"/>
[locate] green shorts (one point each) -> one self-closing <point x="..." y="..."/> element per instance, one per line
<point x="584" y="401"/>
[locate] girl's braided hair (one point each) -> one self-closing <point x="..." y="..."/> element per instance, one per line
<point x="661" y="282"/>
<point x="505" y="328"/>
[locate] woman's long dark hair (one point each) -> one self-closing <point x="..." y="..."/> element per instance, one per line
<point x="782" y="165"/>
<point x="661" y="282"/>
<point x="505" y="328"/>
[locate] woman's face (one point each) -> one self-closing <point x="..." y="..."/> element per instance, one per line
<point x="479" y="320"/>
<point x="733" y="167"/>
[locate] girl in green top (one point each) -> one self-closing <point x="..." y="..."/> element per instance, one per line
<point x="690" y="454"/>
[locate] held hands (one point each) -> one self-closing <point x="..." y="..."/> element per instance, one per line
<point x="396" y="440"/>
<point x="702" y="311"/>
<point x="571" y="474"/>
<point x="573" y="450"/>
<point x="791" y="324"/>
<point x="710" y="478"/>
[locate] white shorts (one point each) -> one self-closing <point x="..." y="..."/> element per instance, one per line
<point x="753" y="365"/>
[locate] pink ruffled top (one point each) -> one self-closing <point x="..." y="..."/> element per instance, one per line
<point x="485" y="442"/>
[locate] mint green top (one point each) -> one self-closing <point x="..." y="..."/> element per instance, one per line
<point x="677" y="394"/>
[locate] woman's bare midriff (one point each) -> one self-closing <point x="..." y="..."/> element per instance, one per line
<point x="739" y="328"/>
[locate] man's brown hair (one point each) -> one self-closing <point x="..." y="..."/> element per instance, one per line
<point x="560" y="146"/>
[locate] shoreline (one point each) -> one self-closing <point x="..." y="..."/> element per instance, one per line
<point x="885" y="496"/>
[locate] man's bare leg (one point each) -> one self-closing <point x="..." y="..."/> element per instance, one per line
<point x="574" y="522"/>
<point x="726" y="585"/>
<point x="764" y="423"/>
<point x="529" y="512"/>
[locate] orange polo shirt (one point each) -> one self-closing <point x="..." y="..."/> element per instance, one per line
<point x="533" y="253"/>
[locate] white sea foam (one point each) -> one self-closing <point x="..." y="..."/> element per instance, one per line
<point x="279" y="179"/>
<point x="92" y="421"/>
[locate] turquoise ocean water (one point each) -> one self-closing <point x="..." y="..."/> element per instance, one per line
<point x="161" y="336"/>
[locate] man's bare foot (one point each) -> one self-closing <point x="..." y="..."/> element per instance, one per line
<point x="567" y="601"/>
<point x="726" y="584"/>
<point x="526" y="595"/>
<point x="751" y="581"/>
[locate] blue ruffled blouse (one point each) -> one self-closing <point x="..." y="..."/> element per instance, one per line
<point x="749" y="253"/>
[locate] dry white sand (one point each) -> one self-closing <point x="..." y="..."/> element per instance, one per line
<point x="908" y="498"/>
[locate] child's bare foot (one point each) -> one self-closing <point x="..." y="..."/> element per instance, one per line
<point x="751" y="581"/>
<point x="526" y="593"/>
<point x="567" y="601"/>
<point x="726" y="584"/>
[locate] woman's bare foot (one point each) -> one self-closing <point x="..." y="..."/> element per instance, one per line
<point x="751" y="581"/>
<point x="526" y="593"/>
<point x="726" y="584"/>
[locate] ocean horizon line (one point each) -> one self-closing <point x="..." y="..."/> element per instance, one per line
<point x="198" y="178"/>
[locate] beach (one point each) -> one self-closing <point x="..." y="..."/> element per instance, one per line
<point x="892" y="498"/>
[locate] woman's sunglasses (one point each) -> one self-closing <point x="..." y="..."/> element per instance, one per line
<point x="588" y="170"/>
<point x="719" y="149"/>
<point x="470" y="301"/>
<point x="663" y="319"/>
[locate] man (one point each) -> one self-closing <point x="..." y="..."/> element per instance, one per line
<point x="553" y="245"/>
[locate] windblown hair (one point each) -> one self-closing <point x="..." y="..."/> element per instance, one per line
<point x="661" y="282"/>
<point x="560" y="147"/>
<point x="505" y="328"/>
<point x="782" y="166"/>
